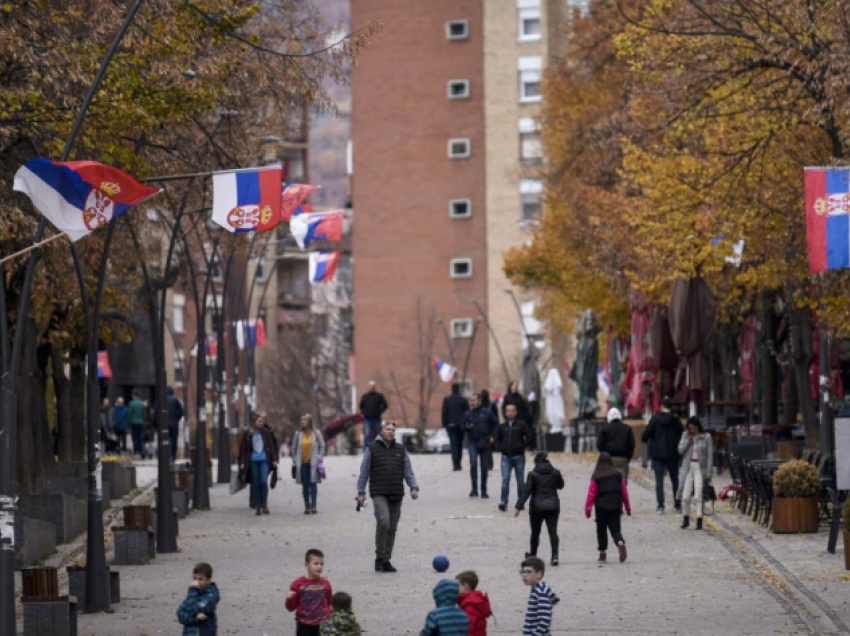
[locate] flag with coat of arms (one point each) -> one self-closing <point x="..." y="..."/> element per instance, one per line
<point x="247" y="200"/>
<point x="79" y="196"/>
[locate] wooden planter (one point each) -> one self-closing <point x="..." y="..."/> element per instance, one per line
<point x="847" y="549"/>
<point x="795" y="515"/>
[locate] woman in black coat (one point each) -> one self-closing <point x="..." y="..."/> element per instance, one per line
<point x="513" y="396"/>
<point x="542" y="486"/>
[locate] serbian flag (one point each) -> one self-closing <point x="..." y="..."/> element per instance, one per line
<point x="292" y="196"/>
<point x="446" y="371"/>
<point x="103" y="368"/>
<point x="318" y="226"/>
<point x="260" y="333"/>
<point x="323" y="266"/>
<point x="79" y="196"/>
<point x="212" y="345"/>
<point x="828" y="218"/>
<point x="247" y="200"/>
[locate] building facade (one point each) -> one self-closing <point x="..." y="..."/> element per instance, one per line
<point x="446" y="154"/>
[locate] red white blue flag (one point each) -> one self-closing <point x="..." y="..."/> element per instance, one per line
<point x="247" y="200"/>
<point x="293" y="195"/>
<point x="79" y="196"/>
<point x="446" y="371"/>
<point x="828" y="218"/>
<point x="323" y="266"/>
<point x="103" y="368"/>
<point x="317" y="226"/>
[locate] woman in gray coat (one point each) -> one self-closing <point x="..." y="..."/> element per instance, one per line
<point x="697" y="467"/>
<point x="308" y="450"/>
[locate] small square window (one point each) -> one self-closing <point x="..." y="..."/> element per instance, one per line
<point x="529" y="86"/>
<point x="532" y="208"/>
<point x="530" y="147"/>
<point x="530" y="25"/>
<point x="459" y="148"/>
<point x="461" y="268"/>
<point x="458" y="89"/>
<point x="457" y="30"/>
<point x="461" y="328"/>
<point x="460" y="208"/>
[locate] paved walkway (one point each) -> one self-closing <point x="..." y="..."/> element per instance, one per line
<point x="675" y="582"/>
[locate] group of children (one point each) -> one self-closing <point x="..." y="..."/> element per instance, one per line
<point x="461" y="609"/>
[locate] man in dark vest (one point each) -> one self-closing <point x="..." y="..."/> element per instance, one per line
<point x="385" y="467"/>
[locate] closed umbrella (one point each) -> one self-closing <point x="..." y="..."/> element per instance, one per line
<point x="553" y="395"/>
<point x="586" y="368"/>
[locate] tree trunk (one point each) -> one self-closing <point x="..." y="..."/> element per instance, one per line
<point x="78" y="409"/>
<point x="769" y="397"/>
<point x="62" y="388"/>
<point x="27" y="456"/>
<point x="41" y="431"/>
<point x="792" y="401"/>
<point x="800" y="336"/>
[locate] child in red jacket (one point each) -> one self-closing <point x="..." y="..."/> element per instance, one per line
<point x="474" y="603"/>
<point x="310" y="596"/>
<point x="609" y="493"/>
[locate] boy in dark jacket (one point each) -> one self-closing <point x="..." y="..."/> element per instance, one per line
<point x="512" y="439"/>
<point x="542" y="486"/>
<point x="197" y="613"/>
<point x="609" y="493"/>
<point x="663" y="434"/>
<point x="447" y="619"/>
<point x="342" y="621"/>
<point x="474" y="603"/>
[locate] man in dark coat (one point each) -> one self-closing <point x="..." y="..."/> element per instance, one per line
<point x="175" y="414"/>
<point x="454" y="408"/>
<point x="663" y="435"/>
<point x="481" y="428"/>
<point x="372" y="407"/>
<point x="512" y="439"/>
<point x="618" y="440"/>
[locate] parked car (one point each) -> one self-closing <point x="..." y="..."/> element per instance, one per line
<point x="409" y="438"/>
<point x="437" y="441"/>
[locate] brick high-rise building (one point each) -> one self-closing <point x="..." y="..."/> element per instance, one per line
<point x="444" y="141"/>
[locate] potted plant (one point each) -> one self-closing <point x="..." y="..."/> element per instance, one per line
<point x="845" y="522"/>
<point x="796" y="486"/>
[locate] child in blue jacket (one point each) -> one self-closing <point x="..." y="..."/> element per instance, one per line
<point x="197" y="613"/>
<point x="447" y="619"/>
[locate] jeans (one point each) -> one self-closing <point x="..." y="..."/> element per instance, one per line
<point x="608" y="521"/>
<point x="387" y="515"/>
<point x="693" y="489"/>
<point x="122" y="440"/>
<point x="456" y="440"/>
<point x="306" y="630"/>
<point x="660" y="466"/>
<point x="551" y="519"/>
<point x="260" y="482"/>
<point x="371" y="428"/>
<point x="485" y="456"/>
<point x="517" y="464"/>
<point x="138" y="447"/>
<point x="309" y="490"/>
<point x="173" y="433"/>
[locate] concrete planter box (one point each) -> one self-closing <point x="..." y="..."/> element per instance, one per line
<point x="179" y="501"/>
<point x="68" y="514"/>
<point x="134" y="547"/>
<point x="77" y="584"/>
<point x="131" y="474"/>
<point x="846" y="535"/>
<point x="51" y="618"/>
<point x="118" y="478"/>
<point x="176" y="521"/>
<point x="34" y="540"/>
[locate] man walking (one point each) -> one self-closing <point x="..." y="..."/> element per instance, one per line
<point x="372" y="407"/>
<point x="512" y="438"/>
<point x="481" y="428"/>
<point x="618" y="440"/>
<point x="455" y="407"/>
<point x="385" y="467"/>
<point x="175" y="414"/>
<point x="136" y="415"/>
<point x="663" y="434"/>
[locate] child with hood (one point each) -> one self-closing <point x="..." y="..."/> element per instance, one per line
<point x="197" y="613"/>
<point x="474" y="603"/>
<point x="447" y="619"/>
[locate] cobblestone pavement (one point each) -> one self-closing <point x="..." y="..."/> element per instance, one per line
<point x="728" y="579"/>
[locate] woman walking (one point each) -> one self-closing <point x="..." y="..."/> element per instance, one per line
<point x="609" y="494"/>
<point x="308" y="452"/>
<point x="697" y="467"/>
<point x="258" y="455"/>
<point x="542" y="486"/>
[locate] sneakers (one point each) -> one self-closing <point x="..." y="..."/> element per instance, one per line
<point x="554" y="561"/>
<point x="602" y="557"/>
<point x="474" y="493"/>
<point x="659" y="510"/>
<point x="699" y="523"/>
<point x="503" y="506"/>
<point x="621" y="546"/>
<point x="379" y="565"/>
<point x="686" y="522"/>
<point x="388" y="567"/>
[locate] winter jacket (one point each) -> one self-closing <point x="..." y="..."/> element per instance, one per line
<point x="538" y="614"/>
<point x="480" y="426"/>
<point x="175" y="409"/>
<point x="519" y="402"/>
<point x="663" y="434"/>
<point x="454" y="408"/>
<point x="608" y="493"/>
<point x="386" y="468"/>
<point x="199" y="601"/>
<point x="617" y="439"/>
<point x="705" y="455"/>
<point x="447" y="619"/>
<point x="137" y="412"/>
<point x="373" y="405"/>
<point x="513" y="438"/>
<point x="542" y="486"/>
<point x="477" y="608"/>
<point x="119" y="418"/>
<point x="317" y="454"/>
<point x="340" y="623"/>
<point x="269" y="445"/>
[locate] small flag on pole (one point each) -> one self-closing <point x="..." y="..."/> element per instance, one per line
<point x="446" y="371"/>
<point x="323" y="266"/>
<point x="293" y="195"/>
<point x="79" y="196"/>
<point x="103" y="368"/>
<point x="318" y="226"/>
<point x="828" y="218"/>
<point x="247" y="200"/>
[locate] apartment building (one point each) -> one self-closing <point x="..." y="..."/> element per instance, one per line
<point x="446" y="153"/>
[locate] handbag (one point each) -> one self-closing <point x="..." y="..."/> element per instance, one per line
<point x="293" y="471"/>
<point x="709" y="496"/>
<point x="236" y="483"/>
<point x="273" y="479"/>
<point x="320" y="468"/>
